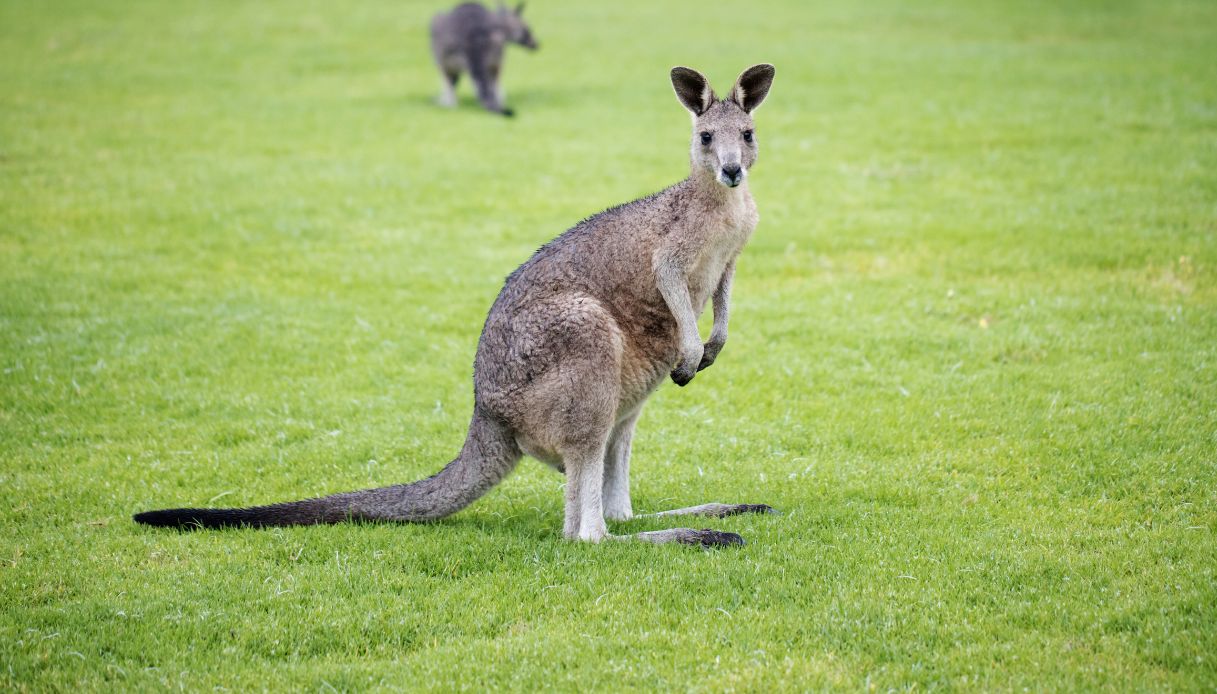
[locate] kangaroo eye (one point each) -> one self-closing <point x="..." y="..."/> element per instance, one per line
<point x="747" y="136"/>
<point x="705" y="138"/>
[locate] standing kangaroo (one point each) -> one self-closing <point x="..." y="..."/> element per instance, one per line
<point x="471" y="39"/>
<point x="578" y="339"/>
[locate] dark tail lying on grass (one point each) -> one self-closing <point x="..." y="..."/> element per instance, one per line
<point x="486" y="458"/>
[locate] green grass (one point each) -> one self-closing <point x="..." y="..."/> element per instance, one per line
<point x="244" y="259"/>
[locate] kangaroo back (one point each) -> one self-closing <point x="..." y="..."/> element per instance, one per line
<point x="489" y="454"/>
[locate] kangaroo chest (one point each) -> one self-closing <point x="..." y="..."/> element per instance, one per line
<point x="725" y="237"/>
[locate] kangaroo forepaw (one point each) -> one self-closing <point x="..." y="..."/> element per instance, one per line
<point x="682" y="376"/>
<point x="709" y="354"/>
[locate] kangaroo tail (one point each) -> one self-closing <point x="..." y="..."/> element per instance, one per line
<point x="489" y="454"/>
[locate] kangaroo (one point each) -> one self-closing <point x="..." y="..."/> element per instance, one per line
<point x="578" y="338"/>
<point x="471" y="38"/>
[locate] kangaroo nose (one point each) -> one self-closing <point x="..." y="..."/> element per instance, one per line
<point x="732" y="173"/>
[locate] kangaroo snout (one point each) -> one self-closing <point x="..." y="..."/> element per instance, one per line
<point x="732" y="175"/>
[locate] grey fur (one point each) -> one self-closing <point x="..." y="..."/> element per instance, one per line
<point x="579" y="337"/>
<point x="471" y="38"/>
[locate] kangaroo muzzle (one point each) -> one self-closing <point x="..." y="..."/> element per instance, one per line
<point x="731" y="175"/>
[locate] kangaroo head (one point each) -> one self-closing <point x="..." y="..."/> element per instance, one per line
<point x="518" y="32"/>
<point x="724" y="139"/>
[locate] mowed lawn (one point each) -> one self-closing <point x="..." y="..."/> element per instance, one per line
<point x="973" y="354"/>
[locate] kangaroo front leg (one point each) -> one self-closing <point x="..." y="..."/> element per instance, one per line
<point x="674" y="288"/>
<point x="722" y="311"/>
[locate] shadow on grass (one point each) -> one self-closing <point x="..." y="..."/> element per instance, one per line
<point x="520" y="101"/>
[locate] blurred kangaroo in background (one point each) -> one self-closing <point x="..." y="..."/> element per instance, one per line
<point x="471" y="39"/>
<point x="579" y="337"/>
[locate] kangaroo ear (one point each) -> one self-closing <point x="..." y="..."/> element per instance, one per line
<point x="519" y="9"/>
<point x="752" y="86"/>
<point x="693" y="89"/>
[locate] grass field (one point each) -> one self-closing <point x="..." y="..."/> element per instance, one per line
<point x="244" y="259"/>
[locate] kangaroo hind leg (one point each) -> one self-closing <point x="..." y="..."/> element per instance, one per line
<point x="447" y="95"/>
<point x="579" y="425"/>
<point x="584" y="497"/>
<point x="566" y="402"/>
<point x="617" y="505"/>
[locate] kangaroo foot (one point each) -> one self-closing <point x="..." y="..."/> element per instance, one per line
<point x="714" y="510"/>
<point x="686" y="536"/>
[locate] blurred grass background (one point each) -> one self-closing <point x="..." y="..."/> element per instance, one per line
<point x="244" y="258"/>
